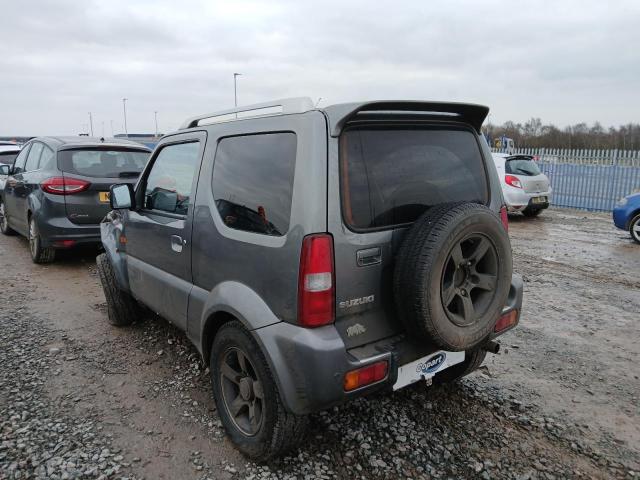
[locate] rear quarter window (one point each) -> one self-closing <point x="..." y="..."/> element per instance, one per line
<point x="252" y="181"/>
<point x="392" y="175"/>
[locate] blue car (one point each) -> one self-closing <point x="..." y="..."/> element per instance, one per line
<point x="626" y="215"/>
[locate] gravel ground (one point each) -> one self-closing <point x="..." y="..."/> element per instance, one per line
<point x="82" y="399"/>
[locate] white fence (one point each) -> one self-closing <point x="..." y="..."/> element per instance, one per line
<point x="624" y="158"/>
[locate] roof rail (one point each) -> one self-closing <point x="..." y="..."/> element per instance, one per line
<point x="276" y="107"/>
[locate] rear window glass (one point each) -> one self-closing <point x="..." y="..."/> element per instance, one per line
<point x="392" y="175"/>
<point x="8" y="157"/>
<point x="521" y="166"/>
<point x="109" y="163"/>
<point x="253" y="182"/>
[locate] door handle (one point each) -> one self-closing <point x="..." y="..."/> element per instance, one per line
<point x="176" y="243"/>
<point x="369" y="256"/>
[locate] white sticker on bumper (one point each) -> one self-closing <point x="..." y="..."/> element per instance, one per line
<point x="426" y="367"/>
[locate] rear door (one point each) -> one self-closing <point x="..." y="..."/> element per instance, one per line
<point x="386" y="177"/>
<point x="97" y="169"/>
<point x="158" y="232"/>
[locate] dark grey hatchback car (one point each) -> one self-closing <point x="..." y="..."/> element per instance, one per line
<point x="57" y="191"/>
<point x="317" y="255"/>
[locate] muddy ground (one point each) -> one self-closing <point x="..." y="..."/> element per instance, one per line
<point x="82" y="399"/>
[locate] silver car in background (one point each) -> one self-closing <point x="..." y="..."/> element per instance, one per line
<point x="524" y="187"/>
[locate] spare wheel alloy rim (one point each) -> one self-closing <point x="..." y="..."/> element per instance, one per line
<point x="469" y="279"/>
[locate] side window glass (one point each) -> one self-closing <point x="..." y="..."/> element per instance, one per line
<point x="253" y="182"/>
<point x="34" y="157"/>
<point x="168" y="186"/>
<point x="18" y="165"/>
<point x="46" y="159"/>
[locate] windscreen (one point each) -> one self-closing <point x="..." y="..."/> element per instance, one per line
<point x="7" y="158"/>
<point x="108" y="163"/>
<point x="521" y="166"/>
<point x="392" y="175"/>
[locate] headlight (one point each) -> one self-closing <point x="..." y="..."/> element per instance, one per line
<point x="623" y="201"/>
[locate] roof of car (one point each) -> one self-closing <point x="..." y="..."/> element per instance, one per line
<point x="68" y="143"/>
<point x="340" y="114"/>
<point x="9" y="148"/>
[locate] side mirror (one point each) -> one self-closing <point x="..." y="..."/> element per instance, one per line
<point x="5" y="169"/>
<point x="121" y="196"/>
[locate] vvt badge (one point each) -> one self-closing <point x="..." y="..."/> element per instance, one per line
<point x="431" y="365"/>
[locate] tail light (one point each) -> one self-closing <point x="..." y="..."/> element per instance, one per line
<point x="504" y="217"/>
<point x="64" y="185"/>
<point x="513" y="181"/>
<point x="506" y="321"/>
<point x="365" y="375"/>
<point x="316" y="281"/>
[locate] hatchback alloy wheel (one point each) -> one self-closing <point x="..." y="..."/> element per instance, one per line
<point x="33" y="238"/>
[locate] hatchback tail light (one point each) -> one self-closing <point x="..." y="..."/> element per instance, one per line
<point x="316" y="281"/>
<point x="513" y="181"/>
<point x="504" y="216"/>
<point x="64" y="185"/>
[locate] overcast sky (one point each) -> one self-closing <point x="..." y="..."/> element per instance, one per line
<point x="563" y="61"/>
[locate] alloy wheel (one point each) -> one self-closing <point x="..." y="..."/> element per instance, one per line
<point x="33" y="238"/>
<point x="3" y="220"/>
<point x="469" y="279"/>
<point x="242" y="391"/>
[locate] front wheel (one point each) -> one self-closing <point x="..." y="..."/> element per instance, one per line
<point x="4" y="223"/>
<point x="39" y="254"/>
<point x="634" y="228"/>
<point x="122" y="308"/>
<point x="247" y="397"/>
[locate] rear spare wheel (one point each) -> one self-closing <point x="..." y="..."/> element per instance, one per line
<point x="452" y="275"/>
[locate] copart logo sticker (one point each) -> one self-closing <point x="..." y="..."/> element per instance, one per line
<point x="431" y="365"/>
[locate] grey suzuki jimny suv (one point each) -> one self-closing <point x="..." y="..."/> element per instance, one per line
<point x="317" y="255"/>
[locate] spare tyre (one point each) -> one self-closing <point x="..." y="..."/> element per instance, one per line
<point x="452" y="275"/>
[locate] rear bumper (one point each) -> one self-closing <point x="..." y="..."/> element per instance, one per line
<point x="517" y="199"/>
<point x="54" y="230"/>
<point x="309" y="364"/>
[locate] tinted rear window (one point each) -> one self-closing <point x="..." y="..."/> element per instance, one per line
<point x="110" y="163"/>
<point x="8" y="157"/>
<point x="521" y="166"/>
<point x="253" y="181"/>
<point x="392" y="175"/>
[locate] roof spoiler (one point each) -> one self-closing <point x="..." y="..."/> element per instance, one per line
<point x="469" y="113"/>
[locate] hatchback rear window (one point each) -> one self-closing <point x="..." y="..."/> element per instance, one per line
<point x="392" y="175"/>
<point x="107" y="163"/>
<point x="8" y="157"/>
<point x="521" y="166"/>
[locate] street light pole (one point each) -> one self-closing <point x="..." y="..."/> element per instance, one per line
<point x="111" y="127"/>
<point x="235" y="88"/>
<point x="124" y="108"/>
<point x="155" y="115"/>
<point x="91" y="123"/>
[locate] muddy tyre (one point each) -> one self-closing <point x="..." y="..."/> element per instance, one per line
<point x="122" y="308"/>
<point x="452" y="275"/>
<point x="634" y="228"/>
<point x="247" y="397"/>
<point x="4" y="224"/>
<point x="472" y="361"/>
<point x="39" y="254"/>
<point x="531" y="212"/>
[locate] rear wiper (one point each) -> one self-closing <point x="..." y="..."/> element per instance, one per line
<point x="129" y="174"/>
